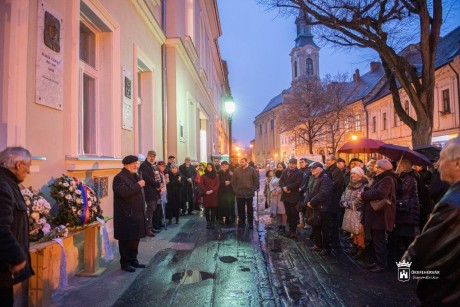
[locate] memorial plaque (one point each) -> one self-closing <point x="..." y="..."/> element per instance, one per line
<point x="128" y="111"/>
<point x="50" y="55"/>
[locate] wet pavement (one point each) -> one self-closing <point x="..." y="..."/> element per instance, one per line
<point x="189" y="265"/>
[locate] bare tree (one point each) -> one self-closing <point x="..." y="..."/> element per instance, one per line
<point x="299" y="113"/>
<point x="380" y="25"/>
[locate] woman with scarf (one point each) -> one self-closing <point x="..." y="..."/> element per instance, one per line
<point x="350" y="200"/>
<point x="210" y="185"/>
<point x="225" y="195"/>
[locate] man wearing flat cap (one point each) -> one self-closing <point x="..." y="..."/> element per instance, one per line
<point x="290" y="182"/>
<point x="128" y="213"/>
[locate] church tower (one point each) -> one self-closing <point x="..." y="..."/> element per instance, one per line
<point x="305" y="54"/>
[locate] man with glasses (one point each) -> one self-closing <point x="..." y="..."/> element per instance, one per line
<point x="15" y="265"/>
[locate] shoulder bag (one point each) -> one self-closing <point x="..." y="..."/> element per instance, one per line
<point x="351" y="220"/>
<point x="378" y="205"/>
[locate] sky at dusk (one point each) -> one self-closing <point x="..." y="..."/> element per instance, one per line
<point x="256" y="44"/>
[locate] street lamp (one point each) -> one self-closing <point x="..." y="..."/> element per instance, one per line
<point x="354" y="137"/>
<point x="229" y="108"/>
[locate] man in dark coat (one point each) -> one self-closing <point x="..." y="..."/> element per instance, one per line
<point x="147" y="172"/>
<point x="337" y="212"/>
<point x="188" y="172"/>
<point x="128" y="213"/>
<point x="318" y="195"/>
<point x="245" y="182"/>
<point x="290" y="182"/>
<point x="15" y="265"/>
<point x="306" y="173"/>
<point x="437" y="248"/>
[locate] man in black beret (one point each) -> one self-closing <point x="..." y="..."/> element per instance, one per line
<point x="128" y="213"/>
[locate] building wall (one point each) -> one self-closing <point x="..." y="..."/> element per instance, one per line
<point x="267" y="143"/>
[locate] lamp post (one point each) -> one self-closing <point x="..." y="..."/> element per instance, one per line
<point x="229" y="108"/>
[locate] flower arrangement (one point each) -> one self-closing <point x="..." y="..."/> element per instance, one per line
<point x="78" y="203"/>
<point x="56" y="232"/>
<point x="38" y="209"/>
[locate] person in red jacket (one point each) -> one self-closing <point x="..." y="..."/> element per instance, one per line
<point x="210" y="185"/>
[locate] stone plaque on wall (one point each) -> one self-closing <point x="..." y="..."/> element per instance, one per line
<point x="50" y="56"/>
<point x="128" y="111"/>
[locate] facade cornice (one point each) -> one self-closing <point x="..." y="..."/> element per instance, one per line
<point x="150" y="20"/>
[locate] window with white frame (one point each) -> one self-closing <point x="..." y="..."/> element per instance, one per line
<point x="374" y="124"/>
<point x="88" y="86"/>
<point x="96" y="38"/>
<point x="346" y="125"/>
<point x="445" y="101"/>
<point x="384" y="121"/>
<point x="358" y="122"/>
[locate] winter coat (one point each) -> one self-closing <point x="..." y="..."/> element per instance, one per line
<point x="209" y="183"/>
<point x="337" y="178"/>
<point x="14" y="230"/>
<point x="291" y="179"/>
<point x="437" y="188"/>
<point x="174" y="190"/>
<point x="225" y="195"/>
<point x="245" y="181"/>
<point x="319" y="192"/>
<point x="306" y="174"/>
<point x="437" y="249"/>
<point x="383" y="187"/>
<point x="187" y="173"/>
<point x="151" y="185"/>
<point x="128" y="207"/>
<point x="350" y="196"/>
<point x="407" y="192"/>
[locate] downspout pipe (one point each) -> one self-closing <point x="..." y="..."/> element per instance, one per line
<point x="164" y="88"/>
<point x="458" y="89"/>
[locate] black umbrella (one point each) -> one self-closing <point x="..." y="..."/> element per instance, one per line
<point x="429" y="151"/>
<point x="397" y="153"/>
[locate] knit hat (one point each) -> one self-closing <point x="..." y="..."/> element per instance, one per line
<point x="358" y="170"/>
<point x="384" y="164"/>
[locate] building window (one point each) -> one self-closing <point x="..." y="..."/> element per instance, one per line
<point x="266" y="128"/>
<point x="260" y="129"/>
<point x="384" y="121"/>
<point x="406" y="107"/>
<point x="446" y="101"/>
<point x="396" y="119"/>
<point x="295" y="69"/>
<point x="374" y="124"/>
<point x="89" y="84"/>
<point x="357" y="122"/>
<point x="272" y="125"/>
<point x="346" y="125"/>
<point x="309" y="67"/>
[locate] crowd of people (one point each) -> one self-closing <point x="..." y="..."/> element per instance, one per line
<point x="408" y="210"/>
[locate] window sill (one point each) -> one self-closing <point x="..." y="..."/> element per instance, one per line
<point x="36" y="163"/>
<point x="88" y="163"/>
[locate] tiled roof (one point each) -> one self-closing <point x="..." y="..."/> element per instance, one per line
<point x="448" y="48"/>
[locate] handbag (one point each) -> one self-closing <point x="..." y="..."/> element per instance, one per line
<point x="313" y="217"/>
<point x="378" y="205"/>
<point x="351" y="220"/>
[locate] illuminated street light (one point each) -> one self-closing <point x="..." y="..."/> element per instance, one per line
<point x="229" y="108"/>
<point x="354" y="137"/>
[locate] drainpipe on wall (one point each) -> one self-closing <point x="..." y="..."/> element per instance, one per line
<point x="164" y="92"/>
<point x="458" y="89"/>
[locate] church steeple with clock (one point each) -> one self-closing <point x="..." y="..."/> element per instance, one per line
<point x="305" y="54"/>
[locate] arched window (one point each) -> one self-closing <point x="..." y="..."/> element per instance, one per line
<point x="309" y="67"/>
<point x="295" y="69"/>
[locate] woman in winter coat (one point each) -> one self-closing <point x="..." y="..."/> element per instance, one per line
<point x="378" y="222"/>
<point x="349" y="199"/>
<point x="225" y="194"/>
<point x="276" y="205"/>
<point x="407" y="206"/>
<point x="210" y="186"/>
<point x="174" y="193"/>
<point x="268" y="178"/>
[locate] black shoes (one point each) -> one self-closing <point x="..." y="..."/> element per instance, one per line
<point x="150" y="233"/>
<point x="136" y="264"/>
<point x="128" y="268"/>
